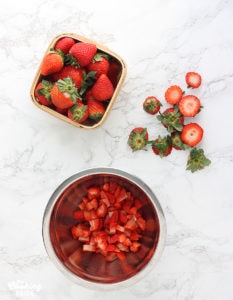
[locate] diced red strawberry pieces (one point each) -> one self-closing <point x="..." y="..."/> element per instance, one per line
<point x="109" y="221"/>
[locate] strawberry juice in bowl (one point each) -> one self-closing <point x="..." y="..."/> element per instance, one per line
<point x="104" y="228"/>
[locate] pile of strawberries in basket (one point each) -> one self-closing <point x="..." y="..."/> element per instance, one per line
<point x="178" y="120"/>
<point x="77" y="80"/>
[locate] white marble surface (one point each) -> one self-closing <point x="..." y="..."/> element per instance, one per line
<point x="160" y="40"/>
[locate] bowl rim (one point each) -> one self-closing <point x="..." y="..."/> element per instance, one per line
<point x="46" y="224"/>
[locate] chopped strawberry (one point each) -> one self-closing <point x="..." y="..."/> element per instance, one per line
<point x="192" y="134"/>
<point x="121" y="255"/>
<point x="78" y="215"/>
<point x="123" y="216"/>
<point x="121" y="195"/>
<point x="80" y="231"/>
<point x="90" y="215"/>
<point x="94" y="224"/>
<point x="141" y="223"/>
<point x="131" y="223"/>
<point x="93" y="192"/>
<point x="106" y="187"/>
<point x="189" y="106"/>
<point x="89" y="248"/>
<point x="134" y="247"/>
<point x="134" y="235"/>
<point x="101" y="211"/>
<point x="112" y="187"/>
<point x="92" y="204"/>
<point x="173" y="94"/>
<point x="193" y="79"/>
<point x="108" y="196"/>
<point x="109" y="222"/>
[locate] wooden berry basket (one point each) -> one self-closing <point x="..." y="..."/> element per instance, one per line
<point x="89" y="124"/>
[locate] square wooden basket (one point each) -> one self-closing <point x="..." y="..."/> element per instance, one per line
<point x="89" y="124"/>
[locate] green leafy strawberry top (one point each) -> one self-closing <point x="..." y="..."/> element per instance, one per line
<point x="197" y="160"/>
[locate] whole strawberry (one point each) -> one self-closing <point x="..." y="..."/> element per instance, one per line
<point x="51" y="63"/>
<point x="96" y="108"/>
<point x="138" y="138"/>
<point x="76" y="74"/>
<point x="171" y="119"/>
<point x="114" y="72"/>
<point x="64" y="94"/>
<point x="78" y="112"/>
<point x="43" y="91"/>
<point x="99" y="64"/>
<point x="83" y="52"/>
<point x="102" y="89"/>
<point x="162" y="146"/>
<point x="64" y="44"/>
<point x="151" y="105"/>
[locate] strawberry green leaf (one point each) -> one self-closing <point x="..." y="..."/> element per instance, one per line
<point x="197" y="160"/>
<point x="67" y="85"/>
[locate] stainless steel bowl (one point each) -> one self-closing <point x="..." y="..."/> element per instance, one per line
<point x="88" y="270"/>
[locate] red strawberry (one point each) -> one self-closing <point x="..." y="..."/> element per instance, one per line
<point x="62" y="111"/>
<point x="173" y="94"/>
<point x="193" y="80"/>
<point x="96" y="109"/>
<point x="51" y="63"/>
<point x="83" y="52"/>
<point x="99" y="64"/>
<point x="138" y="138"/>
<point x="64" y="93"/>
<point x="93" y="192"/>
<point x="102" y="210"/>
<point x="171" y="119"/>
<point x="114" y="72"/>
<point x="162" y="146"/>
<point x="64" y="44"/>
<point x="43" y="91"/>
<point x="78" y="113"/>
<point x="102" y="89"/>
<point x="192" y="134"/>
<point x="177" y="142"/>
<point x="189" y="106"/>
<point x="76" y="74"/>
<point x="151" y="105"/>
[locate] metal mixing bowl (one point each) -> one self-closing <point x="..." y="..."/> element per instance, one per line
<point x="90" y="269"/>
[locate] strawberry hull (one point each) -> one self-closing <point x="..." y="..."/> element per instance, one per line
<point x="117" y="81"/>
<point x="110" y="256"/>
